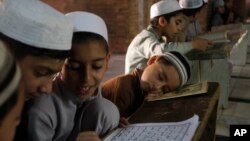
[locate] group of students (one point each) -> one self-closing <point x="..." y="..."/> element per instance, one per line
<point x="52" y="66"/>
<point x="223" y="13"/>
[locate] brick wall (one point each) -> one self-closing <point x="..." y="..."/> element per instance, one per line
<point x="124" y="18"/>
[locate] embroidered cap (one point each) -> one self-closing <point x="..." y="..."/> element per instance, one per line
<point x="10" y="75"/>
<point x="164" y="7"/>
<point x="34" y="23"/>
<point x="88" y="22"/>
<point x="190" y="4"/>
<point x="181" y="63"/>
<point x="218" y="3"/>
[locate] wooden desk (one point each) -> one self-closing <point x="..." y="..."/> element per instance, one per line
<point x="179" y="109"/>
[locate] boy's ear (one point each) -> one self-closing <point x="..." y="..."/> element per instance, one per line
<point x="162" y="21"/>
<point x="152" y="60"/>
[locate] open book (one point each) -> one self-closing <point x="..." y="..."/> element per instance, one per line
<point x="194" y="89"/>
<point x="234" y="31"/>
<point x="172" y="131"/>
<point x="218" y="37"/>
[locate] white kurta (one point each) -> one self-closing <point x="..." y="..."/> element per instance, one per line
<point x="52" y="116"/>
<point x="147" y="44"/>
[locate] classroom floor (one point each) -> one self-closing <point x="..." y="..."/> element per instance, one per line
<point x="239" y="99"/>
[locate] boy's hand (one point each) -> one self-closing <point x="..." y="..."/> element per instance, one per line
<point x="123" y="122"/>
<point x="201" y="44"/>
<point x="88" y="136"/>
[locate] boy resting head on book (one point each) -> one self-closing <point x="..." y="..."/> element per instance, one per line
<point x="163" y="73"/>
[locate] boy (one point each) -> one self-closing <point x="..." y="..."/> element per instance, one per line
<point x="76" y="103"/>
<point x="191" y="8"/>
<point x="219" y="10"/>
<point x="40" y="39"/>
<point x="164" y="73"/>
<point x="11" y="95"/>
<point x="166" y="21"/>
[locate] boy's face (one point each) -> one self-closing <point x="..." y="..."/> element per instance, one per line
<point x="84" y="70"/>
<point x="175" y="25"/>
<point x="159" y="78"/>
<point x="12" y="119"/>
<point x="221" y="9"/>
<point x="38" y="73"/>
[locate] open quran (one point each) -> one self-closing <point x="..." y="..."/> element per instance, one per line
<point x="166" y="131"/>
<point x="188" y="90"/>
<point x="217" y="37"/>
<point x="234" y="31"/>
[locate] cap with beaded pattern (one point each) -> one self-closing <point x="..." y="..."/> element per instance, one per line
<point x="181" y="63"/>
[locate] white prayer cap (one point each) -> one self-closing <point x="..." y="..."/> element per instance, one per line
<point x="10" y="75"/>
<point x="205" y="1"/>
<point x="181" y="63"/>
<point x="88" y="22"/>
<point x="190" y="4"/>
<point x="34" y="23"/>
<point x="218" y="3"/>
<point x="164" y="7"/>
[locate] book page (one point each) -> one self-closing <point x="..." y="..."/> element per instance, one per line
<point x="199" y="88"/>
<point x="172" y="131"/>
<point x="216" y="36"/>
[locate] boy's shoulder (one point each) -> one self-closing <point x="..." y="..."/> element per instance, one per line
<point x="124" y="79"/>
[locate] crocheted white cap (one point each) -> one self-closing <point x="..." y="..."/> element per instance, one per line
<point x="181" y="63"/>
<point x="34" y="23"/>
<point x="164" y="7"/>
<point x="190" y="4"/>
<point x="10" y="75"/>
<point x="88" y="22"/>
<point x="218" y="3"/>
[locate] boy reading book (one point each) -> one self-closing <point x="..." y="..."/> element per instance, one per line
<point x="164" y="73"/>
<point x="166" y="21"/>
<point x="76" y="104"/>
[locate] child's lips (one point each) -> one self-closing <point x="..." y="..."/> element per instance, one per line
<point x="85" y="90"/>
<point x="152" y="88"/>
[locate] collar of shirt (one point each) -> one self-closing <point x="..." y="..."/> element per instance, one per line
<point x="151" y="29"/>
<point x="69" y="94"/>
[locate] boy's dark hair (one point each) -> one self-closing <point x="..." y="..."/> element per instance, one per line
<point x="8" y="105"/>
<point x="154" y="21"/>
<point x="82" y="37"/>
<point x="21" y="50"/>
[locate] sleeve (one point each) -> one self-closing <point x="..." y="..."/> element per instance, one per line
<point x="151" y="46"/>
<point x="120" y="93"/>
<point x="40" y="127"/>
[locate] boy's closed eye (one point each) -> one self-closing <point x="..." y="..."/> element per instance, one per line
<point x="76" y="65"/>
<point x="98" y="64"/>
<point x="44" y="71"/>
<point x="73" y="65"/>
